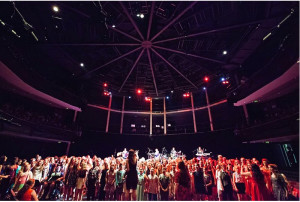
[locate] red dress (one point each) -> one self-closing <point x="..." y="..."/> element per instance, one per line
<point x="27" y="195"/>
<point x="259" y="191"/>
<point x="267" y="175"/>
<point x="183" y="191"/>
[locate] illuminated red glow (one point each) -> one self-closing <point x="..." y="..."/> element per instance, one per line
<point x="105" y="84"/>
<point x="147" y="99"/>
<point x="206" y="78"/>
<point x="186" y="95"/>
<point x="139" y="91"/>
<point x="106" y="93"/>
<point x="225" y="82"/>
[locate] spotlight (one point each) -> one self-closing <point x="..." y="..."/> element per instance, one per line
<point x="206" y="79"/>
<point x="224" y="52"/>
<point x="81" y="65"/>
<point x="139" y="91"/>
<point x="113" y="26"/>
<point x="105" y="84"/>
<point x="204" y="88"/>
<point x="142" y="16"/>
<point x="186" y="95"/>
<point x="55" y="8"/>
<point x="225" y="82"/>
<point x="222" y="79"/>
<point x="172" y="91"/>
<point x="138" y="15"/>
<point x="129" y="97"/>
<point x="167" y="97"/>
<point x="148" y="99"/>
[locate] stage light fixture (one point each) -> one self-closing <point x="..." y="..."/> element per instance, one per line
<point x="147" y="99"/>
<point x="55" y="9"/>
<point x="138" y="15"/>
<point x="129" y="97"/>
<point x="139" y="91"/>
<point x="105" y="84"/>
<point x="81" y="65"/>
<point x="186" y="95"/>
<point x="224" y="52"/>
<point x="113" y="26"/>
<point x="172" y="91"/>
<point x="142" y="16"/>
<point x="204" y="88"/>
<point x="167" y="97"/>
<point x="206" y="78"/>
<point x="222" y="79"/>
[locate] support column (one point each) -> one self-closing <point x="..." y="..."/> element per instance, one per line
<point x="151" y="116"/>
<point x="68" y="148"/>
<point x="75" y="116"/>
<point x="122" y="116"/>
<point x="246" y="113"/>
<point x="193" y="111"/>
<point x="165" y="117"/>
<point x="209" y="112"/>
<point x="108" y="113"/>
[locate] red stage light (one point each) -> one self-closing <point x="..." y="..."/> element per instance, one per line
<point x="139" y="91"/>
<point x="225" y="82"/>
<point x="186" y="95"/>
<point x="206" y="79"/>
<point x="148" y="99"/>
<point x="105" y="84"/>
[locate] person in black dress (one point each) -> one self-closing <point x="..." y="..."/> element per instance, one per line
<point x="131" y="176"/>
<point x="102" y="183"/>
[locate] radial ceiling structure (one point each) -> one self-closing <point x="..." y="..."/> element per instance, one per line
<point x="155" y="46"/>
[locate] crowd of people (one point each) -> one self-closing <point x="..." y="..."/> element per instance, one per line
<point x="133" y="178"/>
<point x="36" y="116"/>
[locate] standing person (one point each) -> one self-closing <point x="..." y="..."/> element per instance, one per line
<point x="110" y="183"/>
<point x="227" y="193"/>
<point x="102" y="182"/>
<point x="37" y="172"/>
<point x="80" y="182"/>
<point x="208" y="182"/>
<point x="27" y="193"/>
<point x="279" y="184"/>
<point x="219" y="182"/>
<point x="267" y="173"/>
<point x="164" y="182"/>
<point x="182" y="183"/>
<point x="93" y="178"/>
<point x="70" y="179"/>
<point x="22" y="177"/>
<point x="120" y="182"/>
<point x="199" y="185"/>
<point x="239" y="184"/>
<point x="131" y="175"/>
<point x="141" y="185"/>
<point x="258" y="187"/>
<point x="152" y="186"/>
<point x="172" y="183"/>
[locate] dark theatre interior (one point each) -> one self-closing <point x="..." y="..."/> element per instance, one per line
<point x="93" y="78"/>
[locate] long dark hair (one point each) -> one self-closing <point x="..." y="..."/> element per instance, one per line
<point x="131" y="155"/>
<point x="28" y="184"/>
<point x="184" y="178"/>
<point x="256" y="173"/>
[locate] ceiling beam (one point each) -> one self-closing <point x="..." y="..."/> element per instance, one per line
<point x="125" y="34"/>
<point x="121" y="56"/>
<point x="131" y="20"/>
<point x="150" y="19"/>
<point x="166" y="61"/>
<point x="174" y="20"/>
<point x="135" y="63"/>
<point x="214" y="30"/>
<point x="93" y="44"/>
<point x="151" y="66"/>
<point x="188" y="54"/>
